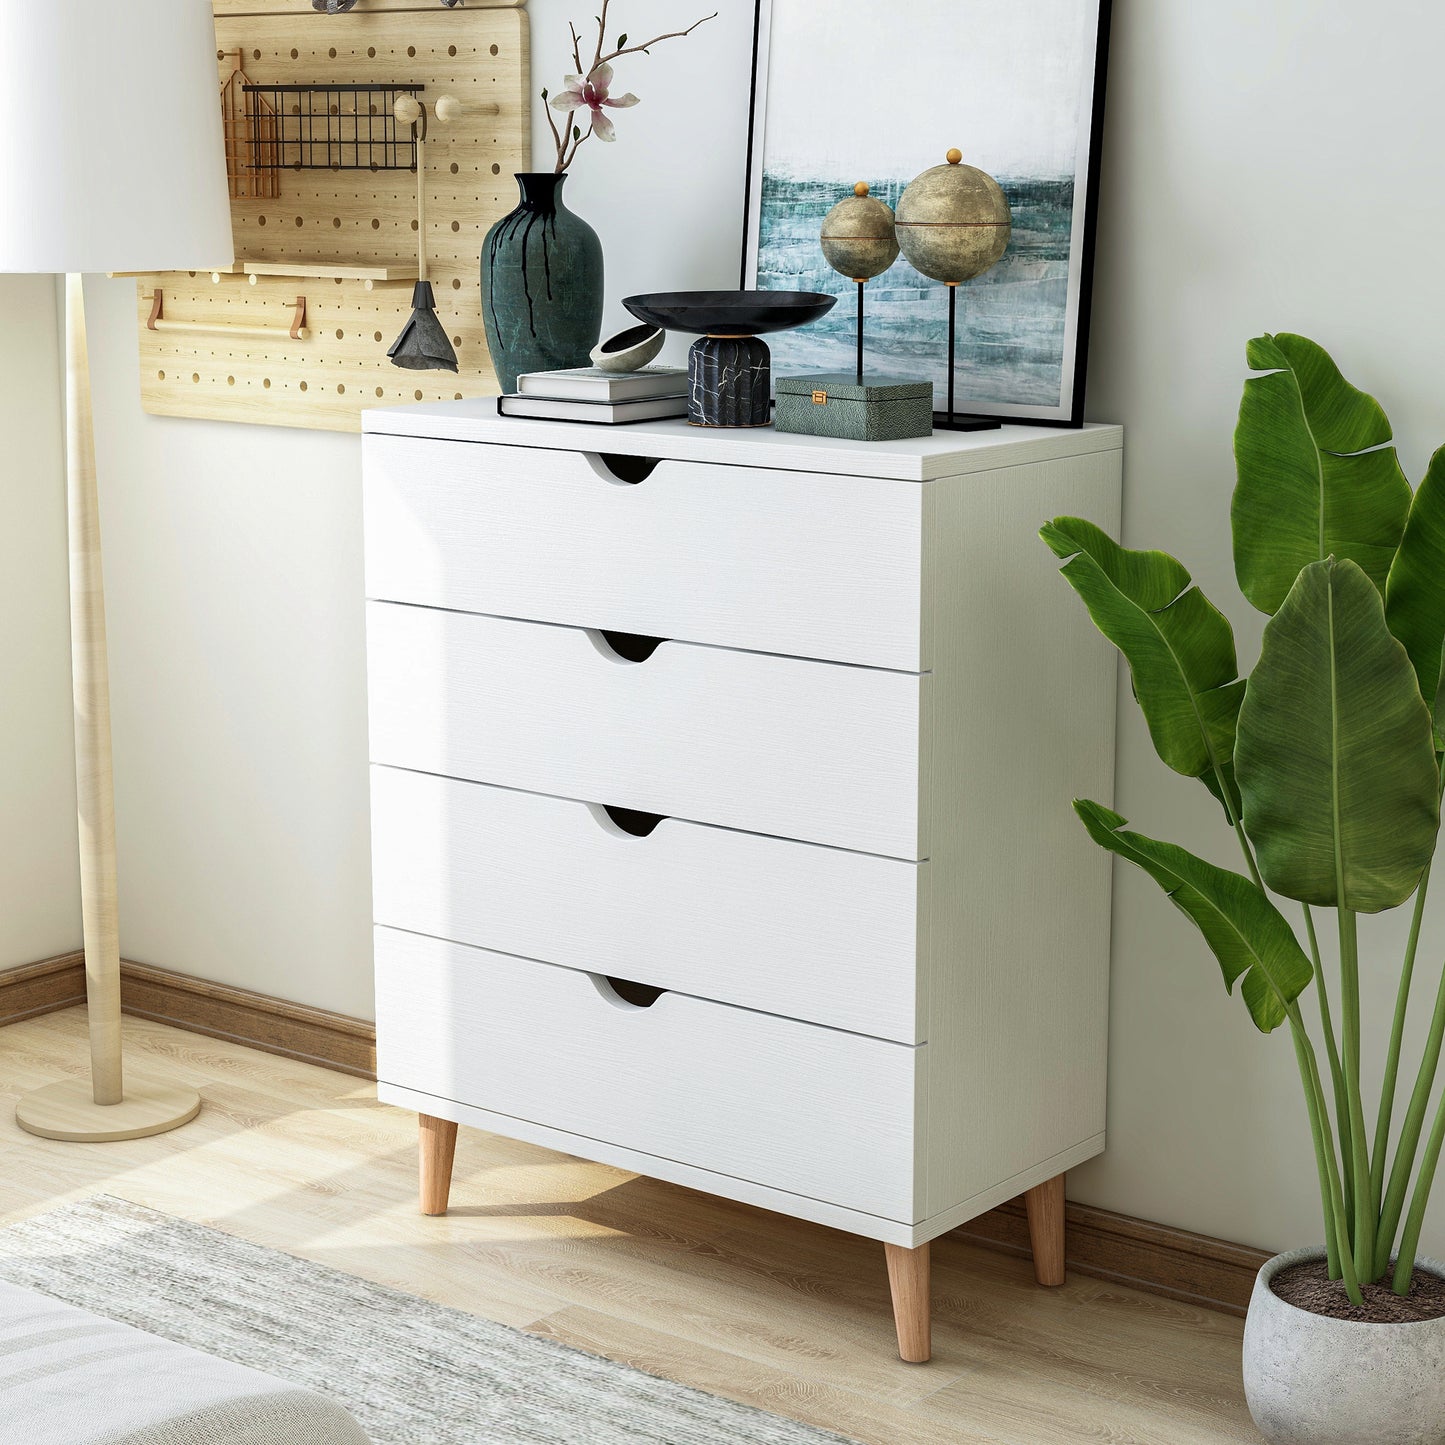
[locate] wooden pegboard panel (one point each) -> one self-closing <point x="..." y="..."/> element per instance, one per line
<point x="253" y="7"/>
<point x="351" y="221"/>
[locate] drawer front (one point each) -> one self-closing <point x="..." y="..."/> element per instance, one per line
<point x="790" y="562"/>
<point x="791" y="1105"/>
<point x="821" y="934"/>
<point x="810" y="750"/>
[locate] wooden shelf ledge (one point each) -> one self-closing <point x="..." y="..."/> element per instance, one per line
<point x="333" y="270"/>
<point x="373" y="273"/>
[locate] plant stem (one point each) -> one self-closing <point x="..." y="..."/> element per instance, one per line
<point x="1410" y="1239"/>
<point x="1332" y="1192"/>
<point x="1317" y="1129"/>
<point x="1397" y="1034"/>
<point x="1409" y="1141"/>
<point x="1337" y="1239"/>
<point x="1245" y="849"/>
<point x="1332" y="1054"/>
<point x="1364" y="1232"/>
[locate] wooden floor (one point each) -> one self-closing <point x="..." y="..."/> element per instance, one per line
<point x="789" y="1316"/>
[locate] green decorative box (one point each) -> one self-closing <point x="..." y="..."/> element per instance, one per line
<point x="877" y="409"/>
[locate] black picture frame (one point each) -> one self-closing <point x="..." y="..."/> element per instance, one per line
<point x="1070" y="411"/>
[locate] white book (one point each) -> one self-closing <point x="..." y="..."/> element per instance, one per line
<point x="591" y="383"/>
<point x="551" y="408"/>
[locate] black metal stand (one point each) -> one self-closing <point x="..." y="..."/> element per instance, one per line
<point x="860" y="333"/>
<point x="949" y="420"/>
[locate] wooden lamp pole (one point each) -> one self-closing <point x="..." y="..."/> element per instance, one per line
<point x="101" y="1107"/>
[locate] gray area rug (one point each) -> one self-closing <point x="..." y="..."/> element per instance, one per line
<point x="412" y="1372"/>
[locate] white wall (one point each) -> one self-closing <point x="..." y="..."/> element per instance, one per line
<point x="1265" y="168"/>
<point x="39" y="894"/>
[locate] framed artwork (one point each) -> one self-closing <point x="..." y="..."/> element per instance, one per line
<point x="879" y="93"/>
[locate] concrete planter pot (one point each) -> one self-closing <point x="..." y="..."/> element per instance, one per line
<point x="1312" y="1380"/>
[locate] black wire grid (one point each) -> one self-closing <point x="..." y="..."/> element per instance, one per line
<point x="336" y="128"/>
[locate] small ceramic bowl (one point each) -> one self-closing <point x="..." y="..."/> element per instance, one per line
<point x="629" y="350"/>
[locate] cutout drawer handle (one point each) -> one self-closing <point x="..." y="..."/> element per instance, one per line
<point x="632" y="821"/>
<point x="624" y="646"/>
<point x="626" y="993"/>
<point x="614" y="467"/>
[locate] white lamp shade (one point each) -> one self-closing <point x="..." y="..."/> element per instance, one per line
<point x="113" y="157"/>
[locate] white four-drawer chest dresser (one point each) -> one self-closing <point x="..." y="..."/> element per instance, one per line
<point x="721" y="818"/>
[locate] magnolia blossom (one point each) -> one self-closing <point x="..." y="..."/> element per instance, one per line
<point x="590" y="93"/>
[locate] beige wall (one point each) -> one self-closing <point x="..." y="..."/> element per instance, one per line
<point x="1266" y="167"/>
<point x="39" y="894"/>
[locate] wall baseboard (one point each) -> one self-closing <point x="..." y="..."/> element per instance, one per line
<point x="1154" y="1257"/>
<point x="1175" y="1263"/>
<point x="297" y="1031"/>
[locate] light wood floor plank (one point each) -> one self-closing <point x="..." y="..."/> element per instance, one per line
<point x="783" y="1314"/>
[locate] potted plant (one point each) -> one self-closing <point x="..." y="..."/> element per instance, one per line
<point x="1326" y="764"/>
<point x="542" y="263"/>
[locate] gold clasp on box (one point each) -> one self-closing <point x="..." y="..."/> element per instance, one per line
<point x="820" y="398"/>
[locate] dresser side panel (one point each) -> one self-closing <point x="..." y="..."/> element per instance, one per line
<point x="1023" y="723"/>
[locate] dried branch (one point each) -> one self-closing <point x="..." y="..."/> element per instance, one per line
<point x="576" y="145"/>
<point x="556" y="137"/>
<point x="601" y="34"/>
<point x="568" y="140"/>
<point x="656" y="39"/>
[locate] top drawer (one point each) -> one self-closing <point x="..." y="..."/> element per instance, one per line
<point x="788" y="562"/>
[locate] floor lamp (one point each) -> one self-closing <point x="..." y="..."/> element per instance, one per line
<point x="113" y="161"/>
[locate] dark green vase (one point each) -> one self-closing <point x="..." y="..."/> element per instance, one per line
<point x="541" y="284"/>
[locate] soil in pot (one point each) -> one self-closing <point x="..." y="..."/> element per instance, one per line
<point x="1308" y="1286"/>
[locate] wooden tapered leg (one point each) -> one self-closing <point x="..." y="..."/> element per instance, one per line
<point x="909" y="1278"/>
<point x="438" y="1141"/>
<point x="1045" y="1205"/>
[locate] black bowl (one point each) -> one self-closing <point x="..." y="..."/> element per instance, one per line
<point x="730" y="313"/>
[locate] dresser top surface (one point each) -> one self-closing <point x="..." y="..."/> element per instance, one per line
<point x="944" y="454"/>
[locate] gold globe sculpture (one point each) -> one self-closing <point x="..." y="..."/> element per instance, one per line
<point x="953" y="224"/>
<point x="859" y="242"/>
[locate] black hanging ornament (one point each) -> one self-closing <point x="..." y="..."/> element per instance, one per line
<point x="423" y="344"/>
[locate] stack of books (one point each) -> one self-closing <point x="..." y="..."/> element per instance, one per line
<point x="586" y="393"/>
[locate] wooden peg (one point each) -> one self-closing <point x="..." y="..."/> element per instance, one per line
<point x="449" y="108"/>
<point x="298" y="321"/>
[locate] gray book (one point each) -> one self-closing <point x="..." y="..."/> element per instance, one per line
<point x="551" y="408"/>
<point x="590" y="383"/>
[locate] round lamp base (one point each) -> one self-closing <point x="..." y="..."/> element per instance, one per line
<point x="68" y="1111"/>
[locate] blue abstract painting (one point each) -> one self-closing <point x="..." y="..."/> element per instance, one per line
<point x="1012" y="83"/>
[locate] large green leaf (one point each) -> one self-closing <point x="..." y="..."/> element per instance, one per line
<point x="1336" y="754"/>
<point x="1179" y="646"/>
<point x="1316" y="478"/>
<point x="1415" y="592"/>
<point x="1247" y="933"/>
